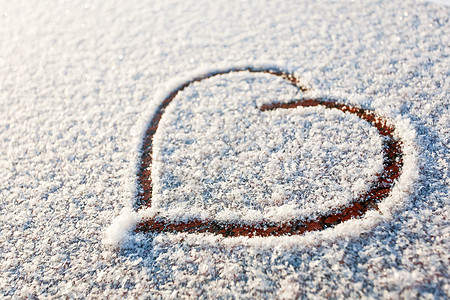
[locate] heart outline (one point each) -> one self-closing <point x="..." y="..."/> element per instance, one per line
<point x="379" y="190"/>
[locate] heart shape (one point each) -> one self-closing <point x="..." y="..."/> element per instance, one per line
<point x="379" y="189"/>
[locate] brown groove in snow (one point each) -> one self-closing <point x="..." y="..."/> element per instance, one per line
<point x="379" y="190"/>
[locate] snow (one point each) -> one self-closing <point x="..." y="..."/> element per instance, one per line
<point x="217" y="155"/>
<point x="80" y="81"/>
<point x="442" y="2"/>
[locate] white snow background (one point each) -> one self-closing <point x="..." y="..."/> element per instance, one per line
<point x="79" y="81"/>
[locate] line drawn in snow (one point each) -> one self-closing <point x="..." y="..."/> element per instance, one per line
<point x="379" y="189"/>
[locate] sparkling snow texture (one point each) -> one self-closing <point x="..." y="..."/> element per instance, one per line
<point x="79" y="82"/>
<point x="218" y="156"/>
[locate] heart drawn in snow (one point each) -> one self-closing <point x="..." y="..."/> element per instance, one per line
<point x="378" y="189"/>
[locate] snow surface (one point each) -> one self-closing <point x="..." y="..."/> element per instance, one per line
<point x="443" y="2"/>
<point x="79" y="82"/>
<point x="218" y="156"/>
